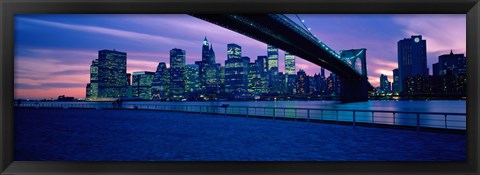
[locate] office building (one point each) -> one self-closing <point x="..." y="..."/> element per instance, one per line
<point x="142" y="84"/>
<point x="236" y="72"/>
<point x="108" y="76"/>
<point x="92" y="87"/>
<point x="385" y="85"/>
<point x="177" y="74"/>
<point x="303" y="83"/>
<point x="161" y="83"/>
<point x="289" y="64"/>
<point x="234" y="51"/>
<point x="412" y="59"/>
<point x="192" y="81"/>
<point x="450" y="63"/>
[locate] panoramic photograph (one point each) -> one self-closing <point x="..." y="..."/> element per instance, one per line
<point x="240" y="87"/>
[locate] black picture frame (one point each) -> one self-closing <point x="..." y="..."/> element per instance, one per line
<point x="8" y="8"/>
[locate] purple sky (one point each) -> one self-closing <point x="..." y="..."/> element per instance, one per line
<point x="53" y="52"/>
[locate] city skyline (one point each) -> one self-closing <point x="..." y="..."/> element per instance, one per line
<point x="67" y="77"/>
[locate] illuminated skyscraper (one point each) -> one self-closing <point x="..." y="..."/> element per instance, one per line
<point x="92" y="87"/>
<point x="234" y="51"/>
<point x="412" y="58"/>
<point x="454" y="63"/>
<point x="272" y="53"/>
<point x="289" y="64"/>
<point x="236" y="71"/>
<point x="396" y="81"/>
<point x="177" y="73"/>
<point x="385" y="85"/>
<point x="192" y="81"/>
<point x="303" y="83"/>
<point x="290" y="76"/>
<point x="142" y="84"/>
<point x="112" y="70"/>
<point x="161" y="83"/>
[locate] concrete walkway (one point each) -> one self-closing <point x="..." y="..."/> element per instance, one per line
<point x="136" y="135"/>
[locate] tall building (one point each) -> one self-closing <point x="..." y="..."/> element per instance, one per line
<point x="192" y="81"/>
<point x="396" y="81"/>
<point x="92" y="87"/>
<point x="208" y="55"/>
<point x="254" y="77"/>
<point x="177" y="73"/>
<point x="303" y="83"/>
<point x="333" y="85"/>
<point x="385" y="85"/>
<point x="111" y="75"/>
<point x="289" y="64"/>
<point x="142" y="84"/>
<point x="272" y="53"/>
<point x="161" y="83"/>
<point x="412" y="58"/>
<point x="454" y="63"/>
<point x="291" y="83"/>
<point x="221" y="76"/>
<point x="236" y="71"/>
<point x="234" y="51"/>
<point x="212" y="81"/>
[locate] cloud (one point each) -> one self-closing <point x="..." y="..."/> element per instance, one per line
<point x="142" y="65"/>
<point x="136" y="36"/>
<point x="442" y="32"/>
<point x="49" y="85"/>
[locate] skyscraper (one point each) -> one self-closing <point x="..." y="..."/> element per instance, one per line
<point x="236" y="70"/>
<point x="290" y="76"/>
<point x="289" y="64"/>
<point x="453" y="63"/>
<point x="303" y="83"/>
<point x="177" y="73"/>
<point x="112" y="71"/>
<point x="161" y="83"/>
<point x="192" y="82"/>
<point x="412" y="58"/>
<point x="92" y="87"/>
<point x="272" y="53"/>
<point x="272" y="73"/>
<point x="221" y="76"/>
<point x="385" y="85"/>
<point x="142" y="84"/>
<point x="396" y="81"/>
<point x="234" y="51"/>
<point x="212" y="81"/>
<point x="206" y="52"/>
<point x="262" y="63"/>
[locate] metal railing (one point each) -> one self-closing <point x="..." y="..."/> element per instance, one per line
<point x="354" y="117"/>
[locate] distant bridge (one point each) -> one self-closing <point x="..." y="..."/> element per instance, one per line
<point x="280" y="31"/>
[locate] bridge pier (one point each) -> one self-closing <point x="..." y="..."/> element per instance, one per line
<point x="354" y="90"/>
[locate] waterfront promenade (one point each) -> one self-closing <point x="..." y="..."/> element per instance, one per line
<point x="135" y="135"/>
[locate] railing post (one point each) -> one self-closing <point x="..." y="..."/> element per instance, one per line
<point x="418" y="122"/>
<point x="321" y="115"/>
<point x="247" y="112"/>
<point x="337" y="117"/>
<point x="308" y="115"/>
<point x="273" y="113"/>
<point x="445" y="122"/>
<point x="296" y="113"/>
<point x="373" y="118"/>
<point x="284" y="116"/>
<point x="394" y="119"/>
<point x="354" y="119"/>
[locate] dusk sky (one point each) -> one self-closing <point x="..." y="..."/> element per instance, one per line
<point x="53" y="53"/>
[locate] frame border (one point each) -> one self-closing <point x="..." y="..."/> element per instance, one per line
<point x="8" y="8"/>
